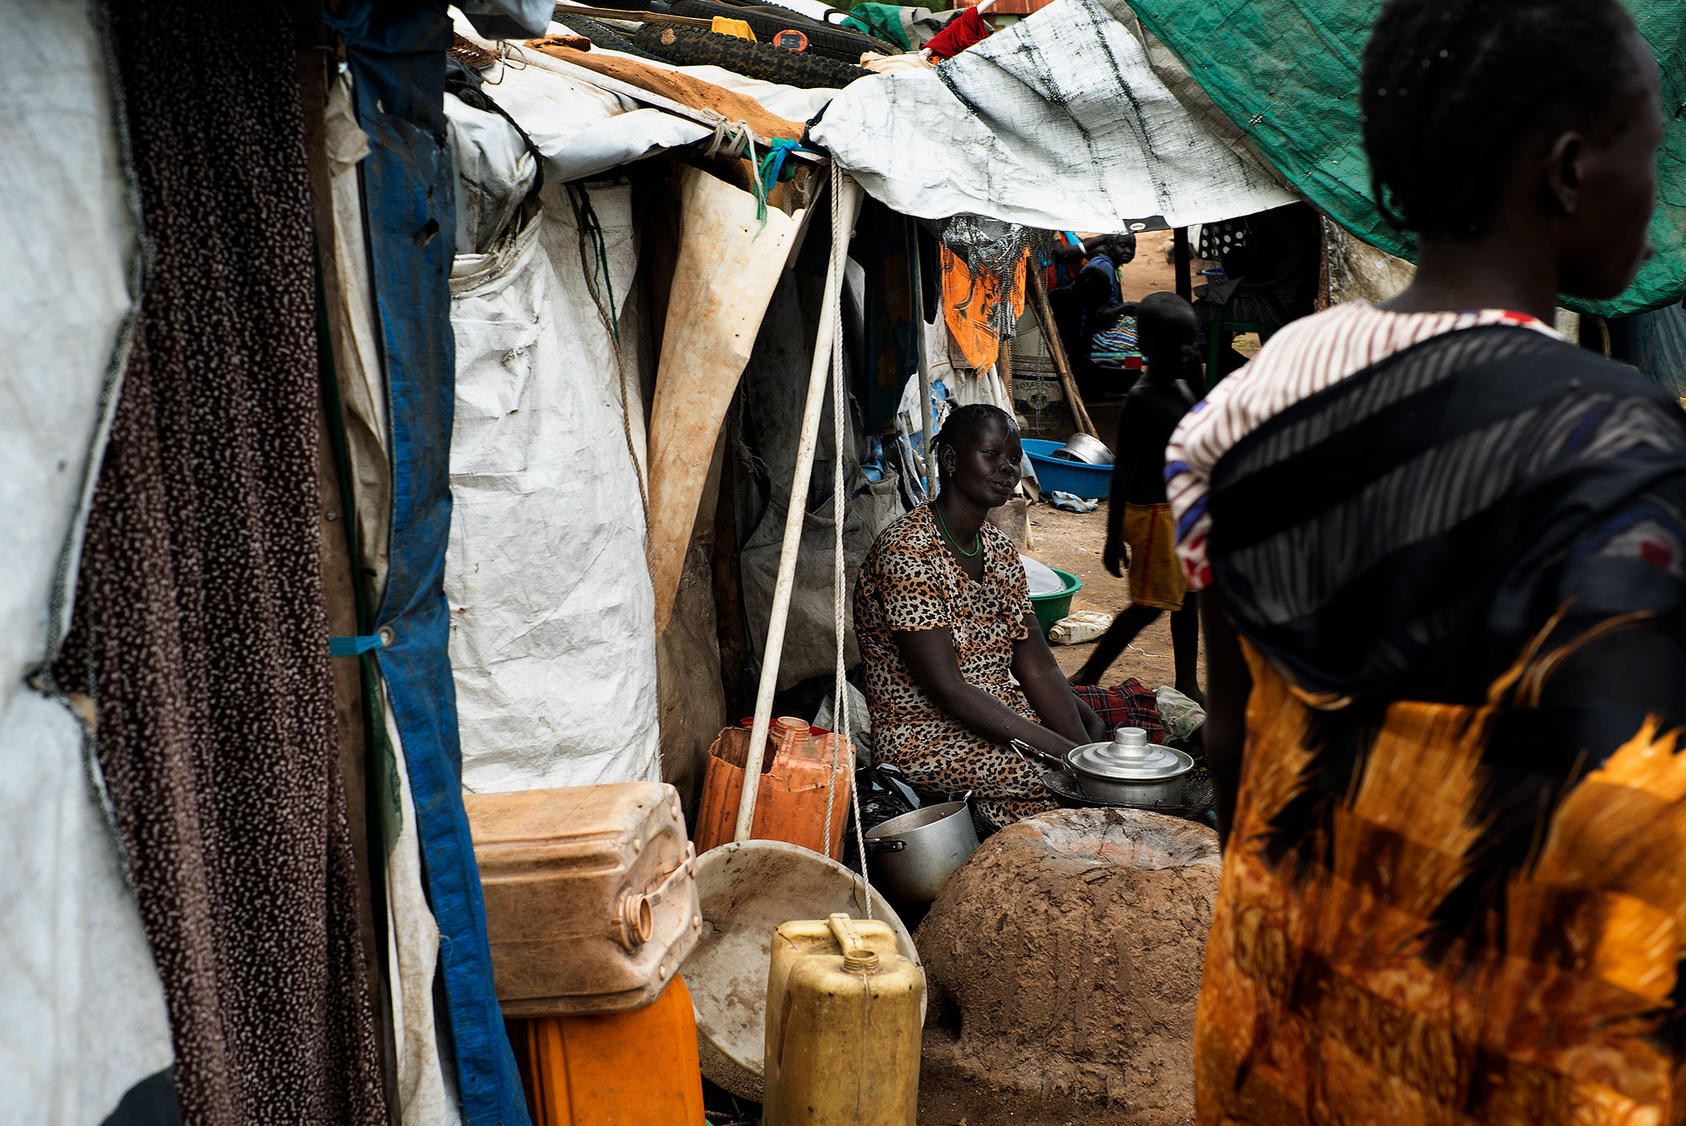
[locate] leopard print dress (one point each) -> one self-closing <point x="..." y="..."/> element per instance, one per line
<point x="910" y="581"/>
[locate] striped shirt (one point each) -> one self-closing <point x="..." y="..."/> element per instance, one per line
<point x="1308" y="356"/>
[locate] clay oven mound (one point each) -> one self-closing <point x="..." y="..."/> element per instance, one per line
<point x="1064" y="961"/>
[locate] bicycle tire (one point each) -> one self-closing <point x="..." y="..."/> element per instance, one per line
<point x="605" y="37"/>
<point x="692" y="46"/>
<point x="825" y="40"/>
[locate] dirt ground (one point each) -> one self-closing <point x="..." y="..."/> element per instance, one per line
<point x="1074" y="543"/>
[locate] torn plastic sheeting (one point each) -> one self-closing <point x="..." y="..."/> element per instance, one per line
<point x="582" y="129"/>
<point x="357" y="357"/>
<point x="551" y="645"/>
<point x="1059" y="122"/>
<point x="729" y="263"/>
<point x="495" y="171"/>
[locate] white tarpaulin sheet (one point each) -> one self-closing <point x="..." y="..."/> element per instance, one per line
<point x="1059" y="122"/>
<point x="552" y="646"/>
<point x="82" y="1016"/>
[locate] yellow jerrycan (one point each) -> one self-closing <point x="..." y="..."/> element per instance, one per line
<point x="843" y="1026"/>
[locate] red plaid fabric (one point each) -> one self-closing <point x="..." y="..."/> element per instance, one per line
<point x="1130" y="704"/>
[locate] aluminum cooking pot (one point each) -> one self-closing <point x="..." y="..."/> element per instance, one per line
<point x="1130" y="770"/>
<point x="914" y="855"/>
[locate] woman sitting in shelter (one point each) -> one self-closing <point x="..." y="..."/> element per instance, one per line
<point x="956" y="665"/>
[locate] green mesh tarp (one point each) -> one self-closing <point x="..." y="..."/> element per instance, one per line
<point x="1286" y="73"/>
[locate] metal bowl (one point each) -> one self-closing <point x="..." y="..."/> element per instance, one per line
<point x="1083" y="448"/>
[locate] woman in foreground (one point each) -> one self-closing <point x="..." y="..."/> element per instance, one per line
<point x="1442" y="556"/>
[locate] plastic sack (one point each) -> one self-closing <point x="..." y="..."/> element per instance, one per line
<point x="1076" y="628"/>
<point x="884" y="794"/>
<point x="1070" y="502"/>
<point x="1040" y="577"/>
<point x="1180" y="715"/>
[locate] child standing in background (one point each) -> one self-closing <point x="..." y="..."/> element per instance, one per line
<point x="1140" y="531"/>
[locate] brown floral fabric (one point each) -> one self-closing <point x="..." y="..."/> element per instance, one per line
<point x="199" y="624"/>
<point x="910" y="581"/>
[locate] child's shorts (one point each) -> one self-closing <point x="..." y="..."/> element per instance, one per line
<point x="1156" y="576"/>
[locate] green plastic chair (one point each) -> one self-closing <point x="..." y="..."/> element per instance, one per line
<point x="1219" y="335"/>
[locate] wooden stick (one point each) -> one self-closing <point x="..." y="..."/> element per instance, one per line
<point x="631" y="17"/>
<point x="1004" y="367"/>
<point x="1056" y="349"/>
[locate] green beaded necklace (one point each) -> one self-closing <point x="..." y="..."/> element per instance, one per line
<point x="977" y="539"/>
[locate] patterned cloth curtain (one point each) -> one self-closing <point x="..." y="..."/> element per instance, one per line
<point x="199" y="625"/>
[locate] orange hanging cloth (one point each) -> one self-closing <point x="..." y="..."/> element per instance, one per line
<point x="971" y="307"/>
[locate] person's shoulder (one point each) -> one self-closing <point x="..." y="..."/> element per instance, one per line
<point x="1157" y="393"/>
<point x="1003" y="551"/>
<point x="1588" y="374"/>
<point x="911" y="531"/>
<point x="1000" y="539"/>
<point x="1335" y="320"/>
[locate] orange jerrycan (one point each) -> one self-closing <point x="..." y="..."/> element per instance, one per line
<point x="843" y="1026"/>
<point x="637" y="1068"/>
<point x="796" y="773"/>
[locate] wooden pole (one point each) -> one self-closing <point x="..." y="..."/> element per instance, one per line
<point x="1183" y="259"/>
<point x="846" y="206"/>
<point x="563" y="11"/>
<point x="927" y="416"/>
<point x="1056" y="349"/>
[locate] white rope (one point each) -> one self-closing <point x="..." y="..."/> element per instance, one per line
<point x="839" y="588"/>
<point x="813" y="409"/>
<point x="733" y="136"/>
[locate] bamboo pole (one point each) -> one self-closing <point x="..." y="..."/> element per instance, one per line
<point x="1056" y="349"/>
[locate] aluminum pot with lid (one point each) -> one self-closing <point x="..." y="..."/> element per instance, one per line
<point x="1130" y="770"/>
<point x="914" y="855"/>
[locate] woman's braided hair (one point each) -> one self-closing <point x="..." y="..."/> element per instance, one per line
<point x="1454" y="90"/>
<point x="962" y="427"/>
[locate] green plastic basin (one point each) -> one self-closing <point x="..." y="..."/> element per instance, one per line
<point x="1050" y="608"/>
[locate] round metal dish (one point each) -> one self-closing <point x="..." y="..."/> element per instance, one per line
<point x="746" y="889"/>
<point x="1088" y="450"/>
